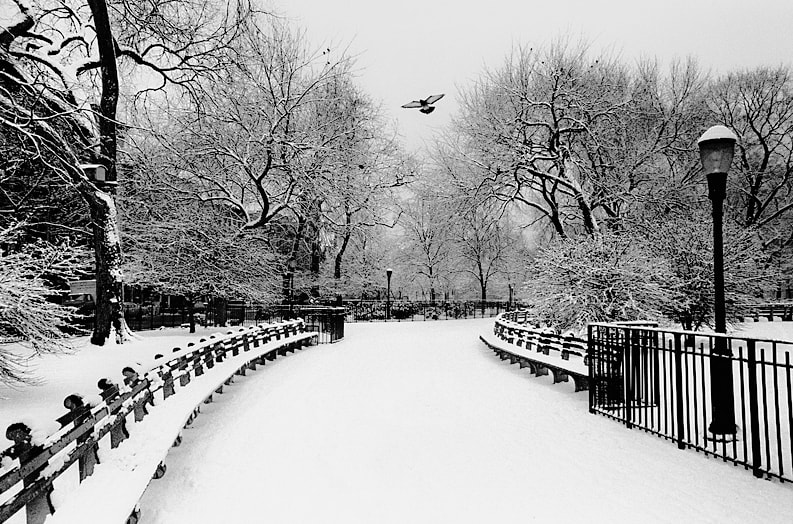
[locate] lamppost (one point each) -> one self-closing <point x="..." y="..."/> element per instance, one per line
<point x="716" y="149"/>
<point x="511" y="295"/>
<point x="388" y="294"/>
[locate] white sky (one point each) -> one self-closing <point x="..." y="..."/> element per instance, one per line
<point x="409" y="49"/>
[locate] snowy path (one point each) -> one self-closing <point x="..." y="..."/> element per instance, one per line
<point x="419" y="422"/>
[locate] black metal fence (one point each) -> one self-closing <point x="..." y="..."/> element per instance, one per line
<point x="667" y="383"/>
<point x="327" y="321"/>
<point x="411" y="310"/>
<point x="140" y="318"/>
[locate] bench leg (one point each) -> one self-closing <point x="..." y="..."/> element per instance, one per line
<point x="559" y="376"/>
<point x="581" y="383"/>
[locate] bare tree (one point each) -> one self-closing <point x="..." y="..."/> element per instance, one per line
<point x="59" y="93"/>
<point x="485" y="244"/>
<point x="758" y="106"/>
<point x="580" y="140"/>
<point x="428" y="238"/>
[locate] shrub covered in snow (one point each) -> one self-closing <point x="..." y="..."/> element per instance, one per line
<point x="27" y="316"/>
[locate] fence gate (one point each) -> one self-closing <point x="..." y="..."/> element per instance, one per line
<point x="623" y="367"/>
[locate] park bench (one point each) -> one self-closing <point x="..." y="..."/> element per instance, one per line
<point x="215" y="360"/>
<point x="542" y="351"/>
<point x="769" y="311"/>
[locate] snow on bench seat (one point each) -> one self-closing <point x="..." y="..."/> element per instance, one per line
<point x="563" y="356"/>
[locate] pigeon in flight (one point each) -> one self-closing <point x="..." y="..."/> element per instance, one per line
<point x="425" y="105"/>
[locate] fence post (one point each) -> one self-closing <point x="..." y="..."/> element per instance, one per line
<point x="627" y="372"/>
<point x="754" y="416"/>
<point x="590" y="350"/>
<point x="40" y="507"/>
<point x="681" y="443"/>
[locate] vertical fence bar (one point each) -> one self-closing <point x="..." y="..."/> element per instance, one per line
<point x="667" y="399"/>
<point x="693" y="359"/>
<point x="776" y="409"/>
<point x="743" y="406"/>
<point x="754" y="417"/>
<point x="789" y="405"/>
<point x="627" y="373"/>
<point x="590" y="349"/>
<point x="767" y="439"/>
<point x="681" y="437"/>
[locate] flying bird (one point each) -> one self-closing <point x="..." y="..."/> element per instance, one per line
<point x="425" y="106"/>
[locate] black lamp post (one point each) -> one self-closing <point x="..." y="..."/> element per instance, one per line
<point x="716" y="149"/>
<point x="388" y="294"/>
<point x="511" y="295"/>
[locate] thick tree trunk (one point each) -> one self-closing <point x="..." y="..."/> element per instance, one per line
<point x="107" y="248"/>
<point x="107" y="254"/>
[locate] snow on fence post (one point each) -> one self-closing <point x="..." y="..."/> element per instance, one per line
<point x="110" y="393"/>
<point x="38" y="504"/>
<point x="78" y="416"/>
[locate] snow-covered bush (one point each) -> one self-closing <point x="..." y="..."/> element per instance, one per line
<point x="27" y="315"/>
<point x="602" y="279"/>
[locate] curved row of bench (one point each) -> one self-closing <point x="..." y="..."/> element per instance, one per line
<point x="141" y="418"/>
<point x="769" y="311"/>
<point x="541" y="350"/>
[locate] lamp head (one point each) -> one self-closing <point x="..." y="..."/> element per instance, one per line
<point x="716" y="149"/>
<point x="388" y="272"/>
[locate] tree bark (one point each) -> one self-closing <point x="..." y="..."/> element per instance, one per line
<point x="107" y="246"/>
<point x="342" y="249"/>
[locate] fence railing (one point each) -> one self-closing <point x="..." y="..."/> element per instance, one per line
<point x="145" y="317"/>
<point x="669" y="383"/>
<point x="410" y="310"/>
<point x="28" y="481"/>
<point x="327" y="321"/>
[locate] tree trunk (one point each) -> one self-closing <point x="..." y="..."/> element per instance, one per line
<point x="342" y="249"/>
<point x="107" y="255"/>
<point x="191" y="312"/>
<point x="107" y="248"/>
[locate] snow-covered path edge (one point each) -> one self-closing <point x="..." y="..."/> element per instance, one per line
<point x="112" y="493"/>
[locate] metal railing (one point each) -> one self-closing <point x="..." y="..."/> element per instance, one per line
<point x="327" y="321"/>
<point x="412" y="310"/>
<point x="670" y="383"/>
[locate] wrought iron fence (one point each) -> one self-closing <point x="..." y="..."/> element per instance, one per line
<point x="668" y="383"/>
<point x="141" y="318"/>
<point x="411" y="310"/>
<point x="327" y="321"/>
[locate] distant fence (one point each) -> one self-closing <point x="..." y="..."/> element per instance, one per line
<point x="412" y="310"/>
<point x="27" y="482"/>
<point x="327" y="321"/>
<point x="660" y="381"/>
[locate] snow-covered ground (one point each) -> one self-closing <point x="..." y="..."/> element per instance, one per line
<point x="408" y="422"/>
<point x="421" y="423"/>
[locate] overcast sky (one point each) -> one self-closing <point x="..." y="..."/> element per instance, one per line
<point x="409" y="49"/>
